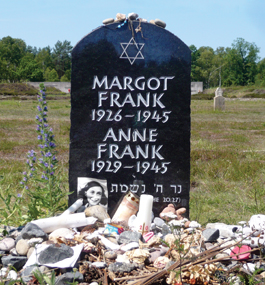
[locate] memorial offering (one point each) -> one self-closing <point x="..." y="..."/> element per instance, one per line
<point x="130" y="116"/>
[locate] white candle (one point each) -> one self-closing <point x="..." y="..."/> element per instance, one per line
<point x="145" y="213"/>
<point x="78" y="203"/>
<point x="48" y="225"/>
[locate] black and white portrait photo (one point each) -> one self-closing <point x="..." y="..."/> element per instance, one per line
<point x="92" y="191"/>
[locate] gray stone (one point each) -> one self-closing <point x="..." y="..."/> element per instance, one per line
<point x="171" y="262"/>
<point x="127" y="236"/>
<point x="14" y="232"/>
<point x="165" y="229"/>
<point x="110" y="255"/>
<point x="159" y="222"/>
<point x="219" y="103"/>
<point x="99" y="264"/>
<point x="121" y="267"/>
<point x="69" y="277"/>
<point x="108" y="21"/>
<point x="22" y="247"/>
<point x="16" y="261"/>
<point x="160" y="23"/>
<point x="53" y="254"/>
<point x="98" y="212"/>
<point x="28" y="272"/>
<point x="132" y="16"/>
<point x="7" y="244"/>
<point x="211" y="235"/>
<point x="32" y="231"/>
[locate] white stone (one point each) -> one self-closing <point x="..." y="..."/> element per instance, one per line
<point x="33" y="241"/>
<point x="130" y="246"/>
<point x="62" y="232"/>
<point x="122" y="258"/>
<point x="257" y="223"/>
<point x="250" y="267"/>
<point x="7" y="244"/>
<point x="120" y="17"/>
<point x="194" y="224"/>
<point x="22" y="247"/>
<point x="108" y="21"/>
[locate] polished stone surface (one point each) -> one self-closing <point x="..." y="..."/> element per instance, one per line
<point x="130" y="116"/>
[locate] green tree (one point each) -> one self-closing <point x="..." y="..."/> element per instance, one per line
<point x="67" y="76"/>
<point x="61" y="55"/>
<point x="12" y="51"/>
<point x="205" y="65"/>
<point x="195" y="54"/>
<point x="51" y="75"/>
<point x="29" y="69"/>
<point x="44" y="58"/>
<point x="260" y="77"/>
<point x="241" y="63"/>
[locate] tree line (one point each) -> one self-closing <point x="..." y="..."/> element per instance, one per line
<point x="20" y="62"/>
<point x="235" y="65"/>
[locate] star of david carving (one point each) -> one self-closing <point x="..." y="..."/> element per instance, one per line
<point x="132" y="51"/>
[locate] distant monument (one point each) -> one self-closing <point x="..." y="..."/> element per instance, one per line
<point x="219" y="100"/>
<point x="130" y="114"/>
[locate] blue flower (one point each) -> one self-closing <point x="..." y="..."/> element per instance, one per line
<point x="26" y="187"/>
<point x="37" y="117"/>
<point x="46" y="125"/>
<point x="40" y="137"/>
<point x="54" y="158"/>
<point x="52" y="173"/>
<point x="40" y="120"/>
<point x="45" y="108"/>
<point x="22" y="182"/>
<point x="39" y="108"/>
<point x="51" y="144"/>
<point x="25" y="179"/>
<point x="19" y="195"/>
<point x="46" y="164"/>
<point x="41" y="146"/>
<point x="50" y="129"/>
<point x="32" y="169"/>
<point x="24" y="173"/>
<point x="48" y="154"/>
<point x="51" y="165"/>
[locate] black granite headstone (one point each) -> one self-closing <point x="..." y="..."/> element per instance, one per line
<point x="130" y="116"/>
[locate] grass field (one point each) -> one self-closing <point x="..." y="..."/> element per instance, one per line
<point x="227" y="153"/>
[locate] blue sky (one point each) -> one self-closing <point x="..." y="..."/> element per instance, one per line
<point x="200" y="22"/>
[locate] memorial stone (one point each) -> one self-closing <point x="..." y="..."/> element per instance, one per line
<point x="130" y="116"/>
<point x="219" y="100"/>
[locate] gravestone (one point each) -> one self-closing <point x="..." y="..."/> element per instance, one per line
<point x="130" y="115"/>
<point x="219" y="100"/>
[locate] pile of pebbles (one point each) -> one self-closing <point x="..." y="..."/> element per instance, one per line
<point x="121" y="18"/>
<point x="92" y="255"/>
